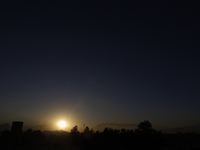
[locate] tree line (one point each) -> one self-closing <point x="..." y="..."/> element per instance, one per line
<point x="142" y="138"/>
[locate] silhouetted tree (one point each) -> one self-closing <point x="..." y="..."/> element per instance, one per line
<point x="59" y="139"/>
<point x="74" y="130"/>
<point x="27" y="139"/>
<point x="88" y="138"/>
<point x="38" y="138"/>
<point x="144" y="137"/>
<point x="32" y="138"/>
<point x="88" y="133"/>
<point x="144" y="126"/>
<point x="148" y="137"/>
<point x="75" y="137"/>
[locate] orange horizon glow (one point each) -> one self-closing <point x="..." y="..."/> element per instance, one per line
<point x="62" y="124"/>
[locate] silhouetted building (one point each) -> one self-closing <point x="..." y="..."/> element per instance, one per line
<point x="16" y="132"/>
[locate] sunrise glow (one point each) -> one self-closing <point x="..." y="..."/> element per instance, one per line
<point x="62" y="124"/>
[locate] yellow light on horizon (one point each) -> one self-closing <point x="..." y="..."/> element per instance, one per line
<point x="62" y="124"/>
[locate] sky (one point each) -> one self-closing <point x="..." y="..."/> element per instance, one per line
<point x="93" y="62"/>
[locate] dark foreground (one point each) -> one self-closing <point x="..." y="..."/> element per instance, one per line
<point x="142" y="138"/>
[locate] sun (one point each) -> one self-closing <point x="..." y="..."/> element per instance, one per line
<point x="62" y="124"/>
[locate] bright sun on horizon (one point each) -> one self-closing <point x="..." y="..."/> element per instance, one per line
<point x="62" y="124"/>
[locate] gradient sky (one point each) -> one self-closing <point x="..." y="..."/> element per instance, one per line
<point x="97" y="62"/>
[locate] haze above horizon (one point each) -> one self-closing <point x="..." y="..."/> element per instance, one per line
<point x="90" y="63"/>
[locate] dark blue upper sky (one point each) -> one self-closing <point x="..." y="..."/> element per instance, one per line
<point x="99" y="62"/>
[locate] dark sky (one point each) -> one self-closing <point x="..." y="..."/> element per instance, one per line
<point x="98" y="61"/>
